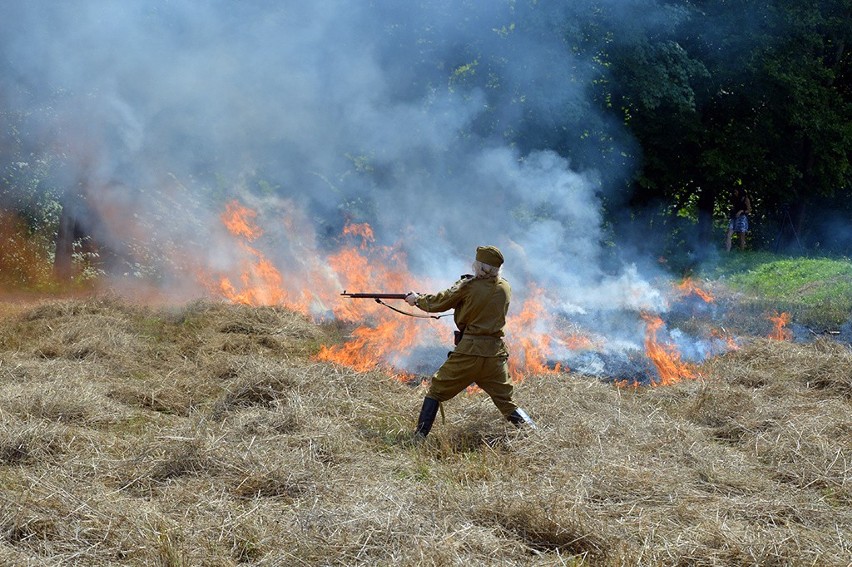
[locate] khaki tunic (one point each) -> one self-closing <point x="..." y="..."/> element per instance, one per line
<point x="480" y="312"/>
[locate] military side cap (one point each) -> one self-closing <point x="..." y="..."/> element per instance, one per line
<point x="490" y="255"/>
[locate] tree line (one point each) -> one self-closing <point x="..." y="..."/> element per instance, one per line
<point x="714" y="94"/>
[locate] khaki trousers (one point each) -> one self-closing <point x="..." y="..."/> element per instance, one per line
<point x="491" y="373"/>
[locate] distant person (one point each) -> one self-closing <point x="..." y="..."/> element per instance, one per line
<point x="481" y="302"/>
<point x="738" y="222"/>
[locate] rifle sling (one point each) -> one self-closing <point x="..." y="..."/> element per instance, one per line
<point x="418" y="316"/>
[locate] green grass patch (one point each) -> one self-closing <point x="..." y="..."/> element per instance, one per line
<point x="817" y="290"/>
<point x="809" y="281"/>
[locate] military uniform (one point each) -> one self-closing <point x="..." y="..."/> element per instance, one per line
<point x="480" y="356"/>
<point x="480" y="306"/>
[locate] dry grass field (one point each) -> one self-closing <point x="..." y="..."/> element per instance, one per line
<point x="207" y="434"/>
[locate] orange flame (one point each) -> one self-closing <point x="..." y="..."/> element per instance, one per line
<point x="535" y="335"/>
<point x="383" y="334"/>
<point x="723" y="336"/>
<point x="382" y="337"/>
<point x="370" y="347"/>
<point x="780" y="332"/>
<point x="665" y="357"/>
<point x="364" y="230"/>
<point x="260" y="280"/>
<point x="688" y="286"/>
<point x="534" y="346"/>
<point x="239" y="221"/>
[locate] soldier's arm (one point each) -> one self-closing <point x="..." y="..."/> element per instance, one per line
<point x="444" y="300"/>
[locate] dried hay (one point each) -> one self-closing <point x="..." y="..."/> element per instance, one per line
<point x="73" y="330"/>
<point x="822" y="365"/>
<point x="49" y="520"/>
<point x="254" y="384"/>
<point x="65" y="400"/>
<point x="240" y="329"/>
<point x="207" y="435"/>
<point x="548" y="525"/>
<point x="799" y="426"/>
<point x="24" y="441"/>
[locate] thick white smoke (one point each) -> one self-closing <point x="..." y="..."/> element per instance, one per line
<point x="418" y="118"/>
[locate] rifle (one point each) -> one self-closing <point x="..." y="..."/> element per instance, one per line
<point x="374" y="295"/>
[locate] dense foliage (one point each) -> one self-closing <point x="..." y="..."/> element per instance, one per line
<point x="749" y="93"/>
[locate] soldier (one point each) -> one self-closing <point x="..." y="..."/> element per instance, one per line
<point x="481" y="302"/>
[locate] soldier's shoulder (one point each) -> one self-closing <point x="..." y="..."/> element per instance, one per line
<point x="461" y="282"/>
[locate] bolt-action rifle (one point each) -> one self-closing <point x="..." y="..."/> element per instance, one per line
<point x="374" y="295"/>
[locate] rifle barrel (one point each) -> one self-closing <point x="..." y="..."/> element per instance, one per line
<point x="374" y="295"/>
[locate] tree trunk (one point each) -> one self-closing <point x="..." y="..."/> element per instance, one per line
<point x="704" y="232"/>
<point x="806" y="187"/>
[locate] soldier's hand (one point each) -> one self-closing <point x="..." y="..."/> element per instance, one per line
<point x="412" y="298"/>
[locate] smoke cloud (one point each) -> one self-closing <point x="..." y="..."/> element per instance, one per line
<point x="420" y="119"/>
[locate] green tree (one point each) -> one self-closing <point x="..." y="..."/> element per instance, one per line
<point x="753" y="93"/>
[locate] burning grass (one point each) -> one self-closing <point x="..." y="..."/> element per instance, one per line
<point x="210" y="434"/>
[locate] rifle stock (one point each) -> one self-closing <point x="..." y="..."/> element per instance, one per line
<point x="374" y="295"/>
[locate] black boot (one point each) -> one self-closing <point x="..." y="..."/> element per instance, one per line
<point x="520" y="418"/>
<point x="426" y="419"/>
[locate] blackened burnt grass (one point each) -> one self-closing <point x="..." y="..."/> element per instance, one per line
<point x="208" y="434"/>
